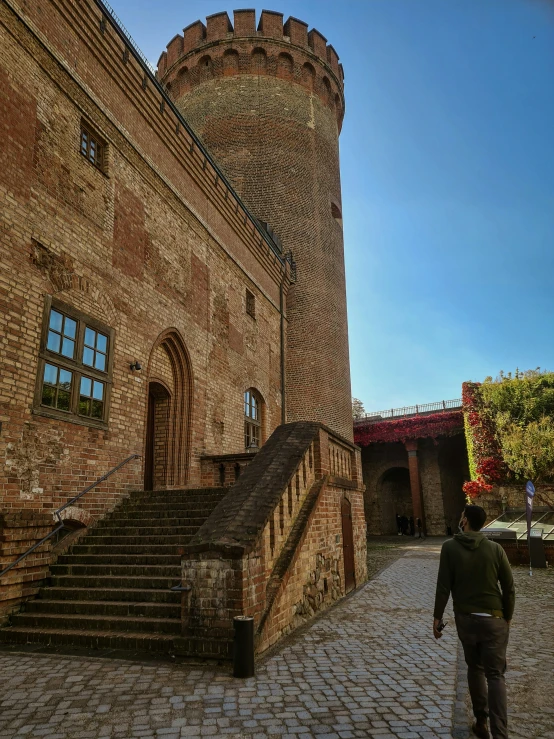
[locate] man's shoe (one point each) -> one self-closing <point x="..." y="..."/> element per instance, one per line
<point x="480" y="729"/>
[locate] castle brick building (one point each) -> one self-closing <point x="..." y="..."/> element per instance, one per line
<point x="173" y="299"/>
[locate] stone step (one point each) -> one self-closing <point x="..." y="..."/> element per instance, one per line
<point x="164" y="504"/>
<point x="195" y="518"/>
<point x="189" y="500"/>
<point x="189" y="494"/>
<point x="119" y="559"/>
<point x="166" y="549"/>
<point x="129" y="641"/>
<point x="158" y="500"/>
<point x="132" y="609"/>
<point x="108" y="593"/>
<point x="96" y="622"/>
<point x="126" y="571"/>
<point x="111" y="581"/>
<point x="157" y="531"/>
<point x="204" y="648"/>
<point x="146" y="523"/>
<point x="93" y="539"/>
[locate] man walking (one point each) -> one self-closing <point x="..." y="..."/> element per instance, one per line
<point x="470" y="568"/>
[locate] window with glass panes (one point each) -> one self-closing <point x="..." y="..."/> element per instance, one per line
<point x="252" y="419"/>
<point x="75" y="365"/>
<point x="92" y="147"/>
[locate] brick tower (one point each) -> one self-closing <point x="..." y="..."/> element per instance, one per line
<point x="268" y="102"/>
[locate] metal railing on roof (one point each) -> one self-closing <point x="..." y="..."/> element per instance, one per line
<point x="411" y="410"/>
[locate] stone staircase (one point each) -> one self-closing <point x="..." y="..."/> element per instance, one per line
<point x="112" y="590"/>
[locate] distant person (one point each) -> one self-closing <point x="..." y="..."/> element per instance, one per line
<point x="412" y="526"/>
<point x="471" y="567"/>
<point x="405" y="526"/>
<point x="398" y="525"/>
<point x="449" y="530"/>
<point x="419" y="525"/>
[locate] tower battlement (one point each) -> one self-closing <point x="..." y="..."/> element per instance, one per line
<point x="287" y="50"/>
<point x="267" y="100"/>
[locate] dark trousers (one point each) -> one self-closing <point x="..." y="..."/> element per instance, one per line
<point x="485" y="640"/>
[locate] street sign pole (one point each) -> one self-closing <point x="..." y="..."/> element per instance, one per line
<point x="530" y="494"/>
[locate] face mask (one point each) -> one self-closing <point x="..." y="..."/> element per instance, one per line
<point x="461" y="527"/>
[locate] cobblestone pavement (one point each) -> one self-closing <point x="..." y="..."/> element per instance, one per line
<point x="368" y="667"/>
<point x="530" y="674"/>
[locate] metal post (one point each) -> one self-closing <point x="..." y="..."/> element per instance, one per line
<point x="243" y="651"/>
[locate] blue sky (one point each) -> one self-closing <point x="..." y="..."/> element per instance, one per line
<point x="447" y="160"/>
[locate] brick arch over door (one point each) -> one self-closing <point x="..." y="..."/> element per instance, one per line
<point x="171" y="347"/>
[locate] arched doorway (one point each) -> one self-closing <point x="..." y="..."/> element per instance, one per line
<point x="157" y="436"/>
<point x="394" y="497"/>
<point x="167" y="443"/>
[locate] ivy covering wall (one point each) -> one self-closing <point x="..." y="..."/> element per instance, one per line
<point x="509" y="425"/>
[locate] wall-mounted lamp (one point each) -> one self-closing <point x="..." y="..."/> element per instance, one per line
<point x="135" y="366"/>
<point x="253" y="447"/>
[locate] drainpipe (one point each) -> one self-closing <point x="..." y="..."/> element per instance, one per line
<point x="281" y="310"/>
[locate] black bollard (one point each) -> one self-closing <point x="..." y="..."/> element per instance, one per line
<point x="243" y="647"/>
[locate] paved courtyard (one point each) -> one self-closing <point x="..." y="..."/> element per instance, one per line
<point x="367" y="668"/>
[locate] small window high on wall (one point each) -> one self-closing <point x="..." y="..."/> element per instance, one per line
<point x="93" y="148"/>
<point x="75" y="366"/>
<point x="252" y="419"/>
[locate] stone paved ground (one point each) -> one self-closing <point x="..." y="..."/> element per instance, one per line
<point x="530" y="675"/>
<point x="367" y="668"/>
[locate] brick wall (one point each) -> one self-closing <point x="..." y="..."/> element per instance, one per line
<point x="518" y="551"/>
<point x="157" y="242"/>
<point x="269" y="105"/>
<point x="19" y="531"/>
<point x="513" y="496"/>
<point x="442" y="470"/>
<point x="377" y="461"/>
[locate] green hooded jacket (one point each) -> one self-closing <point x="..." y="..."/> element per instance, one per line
<point x="471" y="568"/>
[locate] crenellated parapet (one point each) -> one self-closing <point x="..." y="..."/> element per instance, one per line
<point x="287" y="50"/>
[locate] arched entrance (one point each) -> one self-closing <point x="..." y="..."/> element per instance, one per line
<point x="395" y="496"/>
<point x="167" y="443"/>
<point x="157" y="436"/>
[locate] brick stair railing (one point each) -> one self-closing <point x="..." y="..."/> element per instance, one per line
<point x="245" y="556"/>
<point x="112" y="589"/>
<point x="292" y="546"/>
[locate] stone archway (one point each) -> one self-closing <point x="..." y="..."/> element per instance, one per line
<point x="394" y="494"/>
<point x="168" y="428"/>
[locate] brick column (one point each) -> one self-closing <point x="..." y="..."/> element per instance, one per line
<point x="415" y="482"/>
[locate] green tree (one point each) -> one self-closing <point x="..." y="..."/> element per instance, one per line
<point x="358" y="410"/>
<point x="529" y="450"/>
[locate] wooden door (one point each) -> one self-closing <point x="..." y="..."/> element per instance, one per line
<point x="149" y="450"/>
<point x="348" y="545"/>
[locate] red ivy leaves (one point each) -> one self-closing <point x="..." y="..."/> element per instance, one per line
<point x="415" y="427"/>
<point x="490" y="466"/>
<point x="475" y="488"/>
